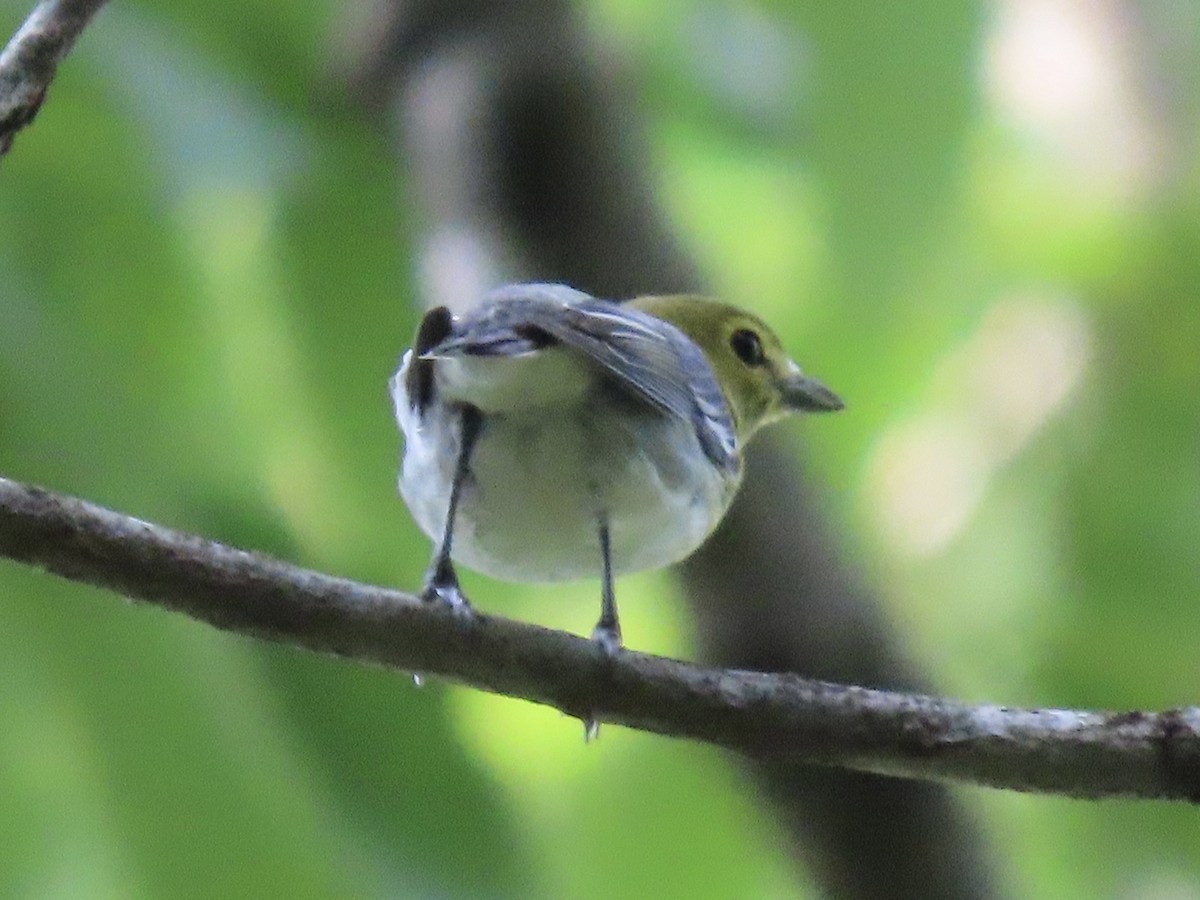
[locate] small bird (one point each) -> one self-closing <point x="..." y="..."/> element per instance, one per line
<point x="550" y="435"/>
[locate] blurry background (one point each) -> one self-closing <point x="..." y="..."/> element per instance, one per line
<point x="979" y="222"/>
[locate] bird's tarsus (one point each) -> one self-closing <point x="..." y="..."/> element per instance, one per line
<point x="441" y="581"/>
<point x="607" y="632"/>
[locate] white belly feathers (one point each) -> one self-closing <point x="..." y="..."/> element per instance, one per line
<point x="549" y="460"/>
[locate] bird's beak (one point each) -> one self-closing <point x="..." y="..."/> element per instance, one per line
<point x="804" y="394"/>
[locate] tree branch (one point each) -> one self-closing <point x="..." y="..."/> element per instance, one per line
<point x="765" y="716"/>
<point x="28" y="63"/>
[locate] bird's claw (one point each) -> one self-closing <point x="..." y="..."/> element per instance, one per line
<point x="608" y="637"/>
<point x="449" y="596"/>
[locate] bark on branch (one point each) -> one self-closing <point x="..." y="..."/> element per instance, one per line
<point x="28" y="63"/>
<point x="765" y="716"/>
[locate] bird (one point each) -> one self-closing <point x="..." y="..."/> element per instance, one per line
<point x="550" y="435"/>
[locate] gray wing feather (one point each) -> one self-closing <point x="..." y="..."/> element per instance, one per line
<point x="646" y="355"/>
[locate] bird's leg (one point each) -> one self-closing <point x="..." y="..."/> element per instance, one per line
<point x="441" y="581"/>
<point x="607" y="632"/>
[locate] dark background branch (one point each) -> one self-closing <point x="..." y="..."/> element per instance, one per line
<point x="529" y="158"/>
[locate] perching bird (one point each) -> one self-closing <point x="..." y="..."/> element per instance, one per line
<point x="550" y="435"/>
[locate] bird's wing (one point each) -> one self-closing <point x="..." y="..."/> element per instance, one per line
<point x="647" y="356"/>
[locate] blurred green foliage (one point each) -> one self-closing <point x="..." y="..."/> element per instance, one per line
<point x="204" y="285"/>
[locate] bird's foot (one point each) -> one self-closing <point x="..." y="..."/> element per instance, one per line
<point x="608" y="636"/>
<point x="447" y="593"/>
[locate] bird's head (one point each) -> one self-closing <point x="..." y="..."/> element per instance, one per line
<point x="760" y="381"/>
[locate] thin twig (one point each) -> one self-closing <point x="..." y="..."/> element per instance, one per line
<point x="766" y="716"/>
<point x="28" y="63"/>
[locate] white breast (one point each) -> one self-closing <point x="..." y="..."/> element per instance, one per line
<point x="542" y="474"/>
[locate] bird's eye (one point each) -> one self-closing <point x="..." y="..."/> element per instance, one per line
<point x="747" y="346"/>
